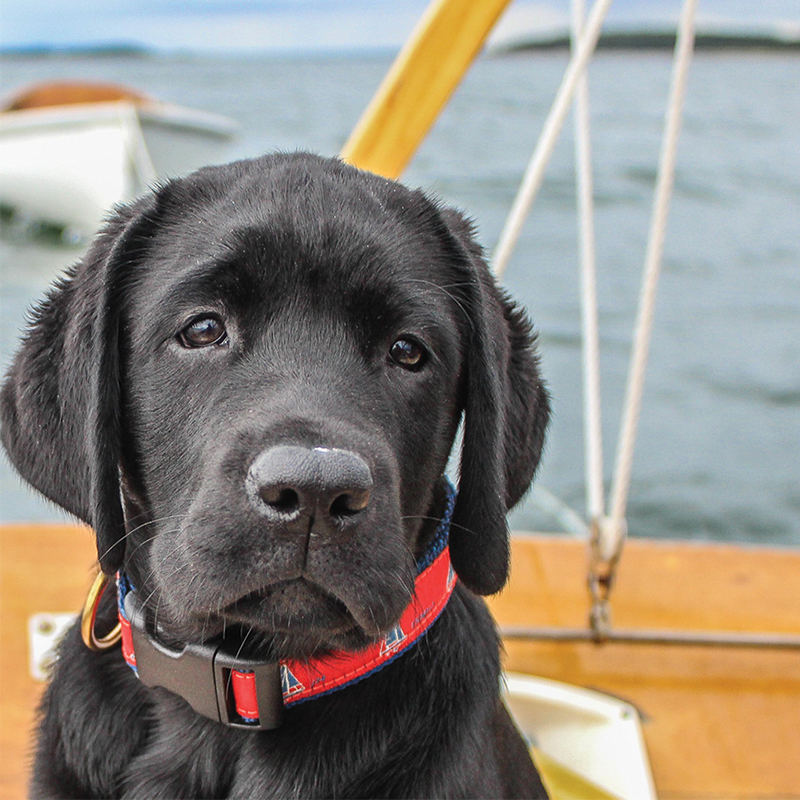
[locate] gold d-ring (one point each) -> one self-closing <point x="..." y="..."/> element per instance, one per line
<point x="89" y="614"/>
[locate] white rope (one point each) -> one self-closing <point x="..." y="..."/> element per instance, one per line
<point x="611" y="530"/>
<point x="613" y="533"/>
<point x="568" y="520"/>
<point x="592" y="427"/>
<point x="534" y="173"/>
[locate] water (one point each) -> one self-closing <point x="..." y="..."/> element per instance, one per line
<point x="717" y="454"/>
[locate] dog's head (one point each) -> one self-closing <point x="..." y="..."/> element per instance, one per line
<point x="250" y="387"/>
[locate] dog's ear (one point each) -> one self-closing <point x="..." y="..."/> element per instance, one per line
<point x="61" y="401"/>
<point x="506" y="410"/>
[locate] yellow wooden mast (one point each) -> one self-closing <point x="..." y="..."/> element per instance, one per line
<point x="419" y="83"/>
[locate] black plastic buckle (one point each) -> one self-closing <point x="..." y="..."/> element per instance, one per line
<point x="201" y="675"/>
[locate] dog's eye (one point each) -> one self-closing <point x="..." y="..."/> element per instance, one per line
<point x="407" y="353"/>
<point x="203" y="331"/>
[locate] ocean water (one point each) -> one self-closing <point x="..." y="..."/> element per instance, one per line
<point x="718" y="452"/>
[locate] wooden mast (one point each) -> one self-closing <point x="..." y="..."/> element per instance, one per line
<point x="419" y="83"/>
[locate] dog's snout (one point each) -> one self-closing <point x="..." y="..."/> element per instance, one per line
<point x="290" y="483"/>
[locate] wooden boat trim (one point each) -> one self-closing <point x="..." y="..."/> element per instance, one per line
<point x="57" y="94"/>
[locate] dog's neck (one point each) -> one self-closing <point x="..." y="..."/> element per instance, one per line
<point x="250" y="693"/>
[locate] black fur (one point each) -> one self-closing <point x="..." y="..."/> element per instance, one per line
<point x="315" y="269"/>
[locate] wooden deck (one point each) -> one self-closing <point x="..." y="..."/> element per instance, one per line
<point x="719" y="722"/>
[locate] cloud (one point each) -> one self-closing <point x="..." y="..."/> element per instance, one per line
<point x="277" y="31"/>
<point x="211" y="24"/>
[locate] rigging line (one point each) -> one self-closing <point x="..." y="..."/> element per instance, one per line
<point x="613" y="534"/>
<point x="534" y="173"/>
<point x="592" y="426"/>
<point x="684" y="638"/>
<point x="570" y="521"/>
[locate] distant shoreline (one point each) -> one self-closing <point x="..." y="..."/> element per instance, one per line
<point x="657" y="40"/>
<point x="99" y="51"/>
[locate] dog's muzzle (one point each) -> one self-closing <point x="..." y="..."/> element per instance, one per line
<point x="252" y="694"/>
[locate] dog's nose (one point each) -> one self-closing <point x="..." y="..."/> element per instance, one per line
<point x="289" y="483"/>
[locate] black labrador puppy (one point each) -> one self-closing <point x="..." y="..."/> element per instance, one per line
<point x="250" y="388"/>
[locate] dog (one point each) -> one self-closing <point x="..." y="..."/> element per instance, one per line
<point x="250" y="388"/>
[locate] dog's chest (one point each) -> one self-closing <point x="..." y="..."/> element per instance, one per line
<point x="189" y="756"/>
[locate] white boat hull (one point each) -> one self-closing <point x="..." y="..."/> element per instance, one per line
<point x="68" y="166"/>
<point x="594" y="737"/>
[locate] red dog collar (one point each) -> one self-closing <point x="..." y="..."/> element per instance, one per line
<point x="252" y="694"/>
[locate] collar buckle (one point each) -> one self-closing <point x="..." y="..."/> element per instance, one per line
<point x="204" y="675"/>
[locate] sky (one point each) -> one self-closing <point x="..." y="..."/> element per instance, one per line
<point x="324" y="25"/>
